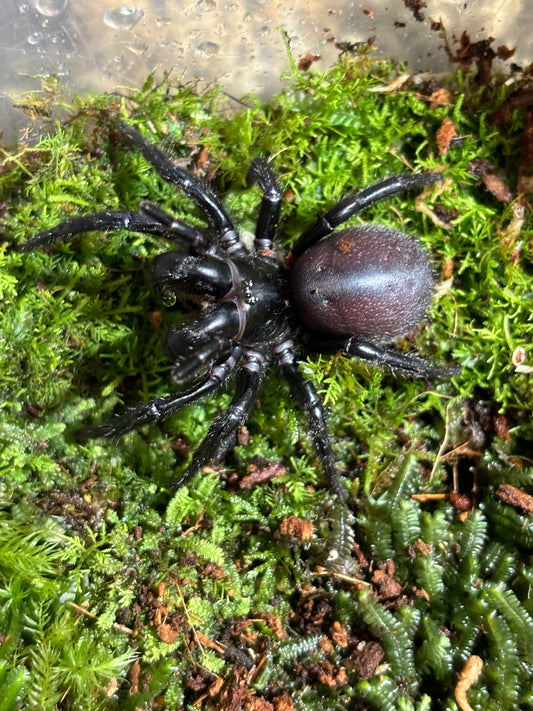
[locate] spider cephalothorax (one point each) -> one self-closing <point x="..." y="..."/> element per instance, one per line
<point x="356" y="290"/>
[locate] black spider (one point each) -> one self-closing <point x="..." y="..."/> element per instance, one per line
<point x="356" y="291"/>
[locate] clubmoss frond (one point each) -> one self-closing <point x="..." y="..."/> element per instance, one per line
<point x="430" y="575"/>
<point x="473" y="536"/>
<point x="510" y="525"/>
<point x="391" y="633"/>
<point x="289" y="650"/>
<point x="406" y="524"/>
<point x="203" y="548"/>
<point x="519" y="620"/>
<point x="503" y="672"/>
<point x="435" y="653"/>
<point x="383" y="694"/>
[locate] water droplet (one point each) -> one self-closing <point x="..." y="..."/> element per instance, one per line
<point x="23" y="8"/>
<point x="208" y="49"/>
<point x="138" y="48"/>
<point x="124" y="18"/>
<point x="178" y="51"/>
<point x="34" y="38"/>
<point x="203" y="6"/>
<point x="51" y="8"/>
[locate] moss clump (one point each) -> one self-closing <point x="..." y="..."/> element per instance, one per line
<point x="200" y="598"/>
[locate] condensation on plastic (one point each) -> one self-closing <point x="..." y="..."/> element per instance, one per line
<point x="102" y="45"/>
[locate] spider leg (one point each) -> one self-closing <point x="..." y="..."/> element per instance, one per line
<point x="160" y="408"/>
<point x="220" y="435"/>
<point x="356" y="202"/>
<point x="99" y="222"/>
<point x="267" y="224"/>
<point x="193" y="346"/>
<point x="305" y="393"/>
<point x="177" y="230"/>
<point x="372" y="353"/>
<point x="201" y="195"/>
<point x="206" y="277"/>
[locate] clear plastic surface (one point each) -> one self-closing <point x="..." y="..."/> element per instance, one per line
<point x="101" y="45"/>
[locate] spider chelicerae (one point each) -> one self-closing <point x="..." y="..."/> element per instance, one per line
<point x="356" y="290"/>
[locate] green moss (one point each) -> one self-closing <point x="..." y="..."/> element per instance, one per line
<point x="99" y="564"/>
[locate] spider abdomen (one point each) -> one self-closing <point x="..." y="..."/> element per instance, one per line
<point x="367" y="281"/>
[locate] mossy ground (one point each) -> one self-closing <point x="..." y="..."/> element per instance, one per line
<point x="116" y="594"/>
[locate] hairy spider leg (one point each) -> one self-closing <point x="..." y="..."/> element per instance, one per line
<point x="372" y="353"/>
<point x="201" y="195"/>
<point x="261" y="173"/>
<point x="357" y="202"/>
<point x="99" y="222"/>
<point x="305" y="393"/>
<point x="219" y="438"/>
<point x="160" y="408"/>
